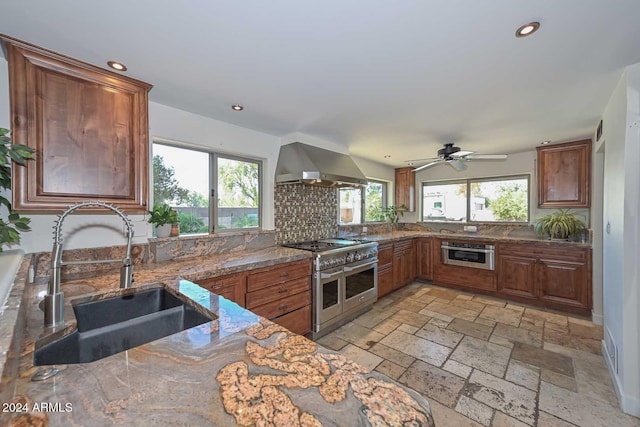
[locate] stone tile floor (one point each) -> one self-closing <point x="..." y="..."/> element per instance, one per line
<point x="486" y="362"/>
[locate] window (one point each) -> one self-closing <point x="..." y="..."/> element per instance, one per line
<point x="500" y="199"/>
<point x="358" y="205"/>
<point x="184" y="178"/>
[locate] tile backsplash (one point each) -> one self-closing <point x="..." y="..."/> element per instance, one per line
<point x="305" y="212"/>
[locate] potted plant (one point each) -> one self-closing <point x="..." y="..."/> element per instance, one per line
<point x="14" y="224"/>
<point x="559" y="225"/>
<point x="164" y="218"/>
<point x="393" y="213"/>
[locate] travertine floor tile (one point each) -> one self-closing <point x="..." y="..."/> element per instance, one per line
<point x="501" y="341"/>
<point x="532" y="323"/>
<point x="390" y="369"/>
<point x="489" y="301"/>
<point x="470" y="328"/>
<point x="358" y="335"/>
<point x="522" y="374"/>
<point x="447" y="417"/>
<point x="547" y="420"/>
<point x="542" y="358"/>
<point x="433" y="383"/>
<point x="439" y="335"/>
<point x="514" y="400"/>
<point x="566" y="340"/>
<point x="408" y="328"/>
<point x="594" y="332"/>
<point x="457" y="368"/>
<point x="386" y="326"/>
<point x="439" y="323"/>
<point x="483" y="355"/>
<point x="518" y="334"/>
<point x="475" y="410"/>
<point x="501" y="315"/>
<point x="362" y="357"/>
<point x="436" y="315"/>
<point x="453" y="311"/>
<point x="443" y="293"/>
<point x="410" y="318"/>
<point x="559" y="380"/>
<point x="468" y="304"/>
<point x="582" y="410"/>
<point x="417" y="347"/>
<point x="558" y="319"/>
<point x="397" y="357"/>
<point x="487" y="322"/>
<point x="502" y="420"/>
<point x="410" y="305"/>
<point x="332" y="341"/>
<point x="372" y="317"/>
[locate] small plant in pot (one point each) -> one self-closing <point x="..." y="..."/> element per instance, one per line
<point x="164" y="218"/>
<point x="393" y="213"/>
<point x="559" y="225"/>
<point x="14" y="224"/>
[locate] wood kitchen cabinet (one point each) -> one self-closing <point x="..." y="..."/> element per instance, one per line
<point x="558" y="278"/>
<point x="231" y="287"/>
<point x="282" y="293"/>
<point x="404" y="263"/>
<point x="564" y="175"/>
<point x="405" y="188"/>
<point x="425" y="258"/>
<point x="385" y="269"/>
<point x="462" y="277"/>
<point x="88" y="127"/>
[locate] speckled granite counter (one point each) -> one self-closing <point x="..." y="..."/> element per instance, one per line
<point x="237" y="369"/>
<point x="397" y="235"/>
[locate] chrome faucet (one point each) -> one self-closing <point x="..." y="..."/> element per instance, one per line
<point x="54" y="299"/>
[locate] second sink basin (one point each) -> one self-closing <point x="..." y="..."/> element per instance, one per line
<point x="111" y="325"/>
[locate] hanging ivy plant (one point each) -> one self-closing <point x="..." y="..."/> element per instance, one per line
<point x="14" y="224"/>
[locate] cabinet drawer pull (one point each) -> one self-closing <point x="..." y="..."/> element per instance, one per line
<point x="218" y="286"/>
<point x="282" y="290"/>
<point x="283" y="307"/>
<point x="285" y="274"/>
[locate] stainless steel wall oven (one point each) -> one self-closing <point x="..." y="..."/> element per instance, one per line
<point x="474" y="255"/>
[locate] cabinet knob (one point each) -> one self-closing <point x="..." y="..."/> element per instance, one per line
<point x="285" y="274"/>
<point x="283" y="307"/>
<point x="282" y="290"/>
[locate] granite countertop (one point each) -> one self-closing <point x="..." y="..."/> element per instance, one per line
<point x="398" y="235"/>
<point x="237" y="369"/>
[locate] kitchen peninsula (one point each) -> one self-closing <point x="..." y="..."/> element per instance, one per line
<point x="239" y="368"/>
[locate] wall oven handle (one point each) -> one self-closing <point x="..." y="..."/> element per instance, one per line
<point x="330" y="275"/>
<point x="482" y="251"/>
<point x="348" y="269"/>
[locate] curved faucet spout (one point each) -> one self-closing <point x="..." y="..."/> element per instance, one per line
<point x="54" y="300"/>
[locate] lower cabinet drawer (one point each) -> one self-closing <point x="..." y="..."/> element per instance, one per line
<point x="284" y="305"/>
<point x="298" y="321"/>
<point x="273" y="293"/>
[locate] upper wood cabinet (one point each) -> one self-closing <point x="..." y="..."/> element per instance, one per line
<point x="88" y="126"/>
<point x="564" y="175"/>
<point x="405" y="188"/>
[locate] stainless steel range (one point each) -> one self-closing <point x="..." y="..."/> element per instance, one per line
<point x="345" y="281"/>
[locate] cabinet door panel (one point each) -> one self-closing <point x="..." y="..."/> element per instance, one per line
<point x="88" y="127"/>
<point x="564" y="175"/>
<point x="425" y="262"/>
<point x="516" y="276"/>
<point x="563" y="282"/>
<point x="298" y="321"/>
<point x="231" y="287"/>
<point x="385" y="280"/>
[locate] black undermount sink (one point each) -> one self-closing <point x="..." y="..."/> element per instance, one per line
<point x="111" y="325"/>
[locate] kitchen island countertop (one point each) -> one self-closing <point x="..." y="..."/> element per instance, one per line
<point x="237" y="369"/>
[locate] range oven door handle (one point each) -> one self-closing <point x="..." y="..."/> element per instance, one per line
<point x="482" y="251"/>
<point x="330" y="275"/>
<point x="360" y="267"/>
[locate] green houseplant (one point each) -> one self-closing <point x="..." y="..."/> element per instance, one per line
<point x="14" y="224"/>
<point x="163" y="217"/>
<point x="559" y="225"/>
<point x="393" y="213"/>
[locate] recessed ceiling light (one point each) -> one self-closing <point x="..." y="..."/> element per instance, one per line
<point x="545" y="142"/>
<point x="387" y="156"/>
<point x="237" y="107"/>
<point x="117" y="66"/>
<point x="527" y="29"/>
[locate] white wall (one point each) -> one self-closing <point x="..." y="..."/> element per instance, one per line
<point x="621" y="239"/>
<point x="171" y="124"/>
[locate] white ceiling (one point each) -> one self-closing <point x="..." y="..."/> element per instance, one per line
<point x="381" y="77"/>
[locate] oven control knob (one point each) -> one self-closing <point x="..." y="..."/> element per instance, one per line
<point x="350" y="257"/>
<point x="358" y="256"/>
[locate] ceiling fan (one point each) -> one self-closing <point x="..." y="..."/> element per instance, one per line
<point x="455" y="158"/>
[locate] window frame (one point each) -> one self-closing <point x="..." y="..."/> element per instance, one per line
<point x="363" y="194"/>
<point x="213" y="183"/>
<point x="468" y="182"/>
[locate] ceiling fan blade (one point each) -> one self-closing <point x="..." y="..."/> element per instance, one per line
<point x="426" y="166"/>
<point x="461" y="153"/>
<point x="457" y="164"/>
<point x="485" y="157"/>
<point x="422" y="160"/>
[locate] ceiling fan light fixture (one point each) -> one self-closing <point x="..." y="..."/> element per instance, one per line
<point x="527" y="29"/>
<point x="545" y="142"/>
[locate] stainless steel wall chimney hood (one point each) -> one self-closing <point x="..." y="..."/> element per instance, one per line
<point x="307" y="164"/>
